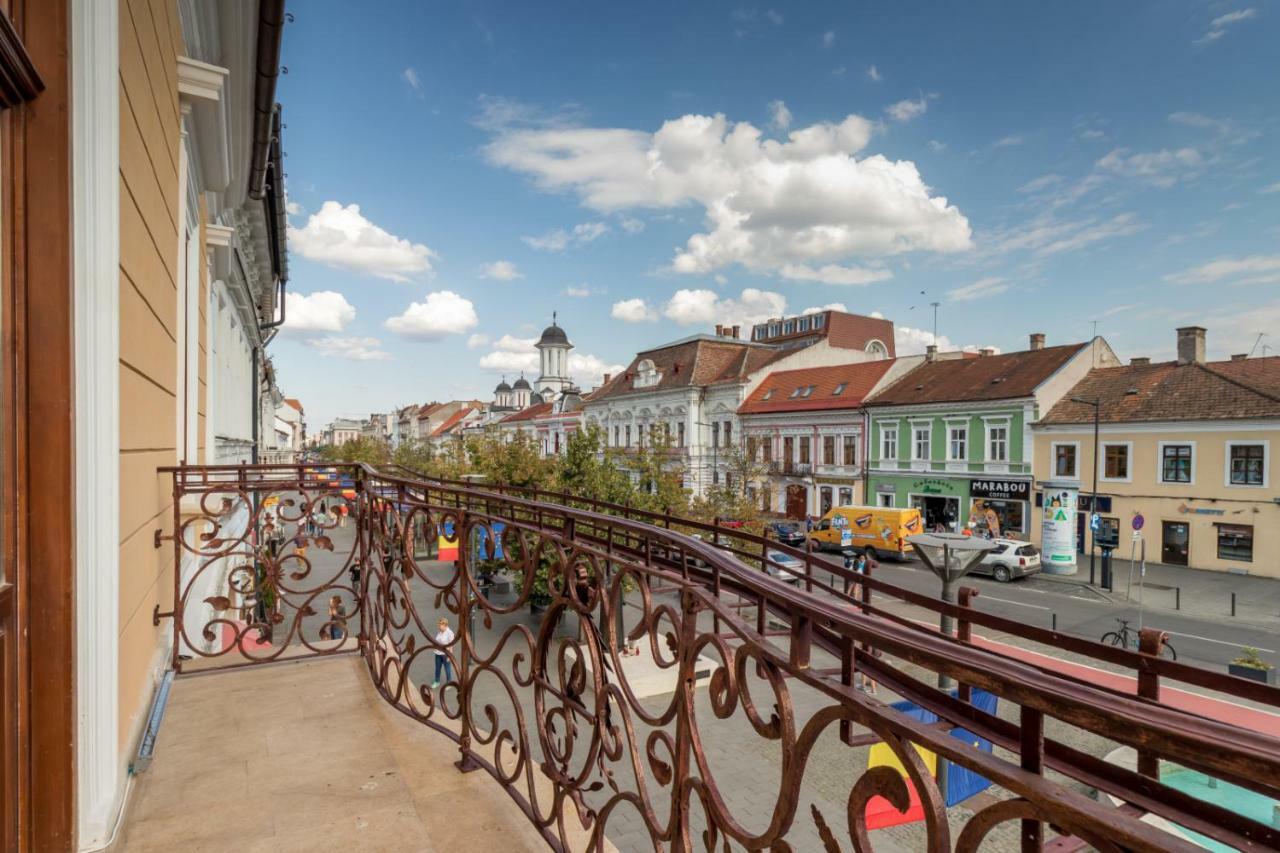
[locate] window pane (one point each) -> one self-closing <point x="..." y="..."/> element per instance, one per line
<point x="1117" y="461"/>
<point x="1176" y="463"/>
<point x="850" y="450"/>
<point x="829" y="450"/>
<point x="1235" y="542"/>
<point x="1247" y="462"/>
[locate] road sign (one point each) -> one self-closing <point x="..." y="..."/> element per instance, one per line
<point x="1137" y="536"/>
<point x="1138" y="521"/>
<point x="1095" y="521"/>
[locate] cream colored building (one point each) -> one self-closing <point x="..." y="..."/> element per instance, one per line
<point x="1187" y="444"/>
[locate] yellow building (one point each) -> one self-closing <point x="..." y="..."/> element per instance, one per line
<point x="1186" y="444"/>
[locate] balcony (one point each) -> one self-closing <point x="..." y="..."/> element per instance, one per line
<point x="790" y="469"/>
<point x="317" y="723"/>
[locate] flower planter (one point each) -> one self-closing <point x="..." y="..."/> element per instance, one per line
<point x="1266" y="676"/>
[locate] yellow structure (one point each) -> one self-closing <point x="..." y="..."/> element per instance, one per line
<point x="1187" y="444"/>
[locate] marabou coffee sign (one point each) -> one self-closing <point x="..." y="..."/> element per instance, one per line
<point x="1013" y="490"/>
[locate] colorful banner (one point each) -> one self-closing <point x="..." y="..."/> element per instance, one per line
<point x="1058" y="527"/>
<point x="447" y="543"/>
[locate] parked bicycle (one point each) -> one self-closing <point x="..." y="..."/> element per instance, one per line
<point x="1128" y="638"/>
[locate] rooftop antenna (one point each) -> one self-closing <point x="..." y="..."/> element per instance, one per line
<point x="1095" y="328"/>
<point x="935" y="322"/>
<point x="1256" y="341"/>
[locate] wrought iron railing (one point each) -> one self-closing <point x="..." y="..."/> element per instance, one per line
<point x="738" y="723"/>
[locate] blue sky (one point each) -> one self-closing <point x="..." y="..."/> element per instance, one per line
<point x="458" y="171"/>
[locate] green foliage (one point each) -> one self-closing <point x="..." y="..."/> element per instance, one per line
<point x="659" y="477"/>
<point x="1249" y="657"/>
<point x="367" y="450"/>
<point x="511" y="460"/>
<point x="588" y="469"/>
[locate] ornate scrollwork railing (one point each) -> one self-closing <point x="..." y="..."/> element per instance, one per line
<point x="631" y="685"/>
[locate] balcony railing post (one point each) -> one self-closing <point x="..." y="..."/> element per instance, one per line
<point x="178" y="482"/>
<point x="1031" y="730"/>
<point x="965" y="633"/>
<point x="466" y="762"/>
<point x="1150" y="643"/>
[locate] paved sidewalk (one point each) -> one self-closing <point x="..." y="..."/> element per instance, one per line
<point x="1194" y="592"/>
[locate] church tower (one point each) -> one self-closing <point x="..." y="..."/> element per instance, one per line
<point x="553" y="356"/>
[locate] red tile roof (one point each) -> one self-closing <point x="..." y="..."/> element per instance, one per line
<point x="777" y="392"/>
<point x="290" y="401"/>
<point x="993" y="377"/>
<point x="1168" y="391"/>
<point x="528" y="414"/>
<point x="451" y="421"/>
<point x="695" y="362"/>
<point x="426" y="409"/>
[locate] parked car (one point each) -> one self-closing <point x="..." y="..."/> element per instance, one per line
<point x="1011" y="558"/>
<point x="787" y="533"/>
<point x="784" y="567"/>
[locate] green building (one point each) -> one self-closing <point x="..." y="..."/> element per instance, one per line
<point x="953" y="437"/>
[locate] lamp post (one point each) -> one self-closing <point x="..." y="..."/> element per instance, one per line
<point x="1096" y="402"/>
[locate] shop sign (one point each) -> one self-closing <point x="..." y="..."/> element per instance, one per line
<point x="1009" y="490"/>
<point x="933" y="486"/>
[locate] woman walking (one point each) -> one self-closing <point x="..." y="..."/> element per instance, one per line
<point x="444" y="636"/>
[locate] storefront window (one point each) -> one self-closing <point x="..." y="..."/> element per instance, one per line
<point x="998" y="518"/>
<point x="825" y="493"/>
<point x="1235" y="542"/>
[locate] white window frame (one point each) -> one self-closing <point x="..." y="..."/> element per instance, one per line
<point x="916" y="428"/>
<point x="1101" y="461"/>
<point x="951" y="439"/>
<point x="1160" y="446"/>
<point x="1266" y="463"/>
<point x="1053" y="459"/>
<point x="890" y="433"/>
<point x="988" y="426"/>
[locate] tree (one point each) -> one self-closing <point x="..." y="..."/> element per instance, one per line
<point x="414" y="454"/>
<point x="660" y="479"/>
<point x="588" y="469"/>
<point x="368" y="450"/>
<point x="510" y="461"/>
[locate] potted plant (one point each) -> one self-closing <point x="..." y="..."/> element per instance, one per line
<point x="1249" y="665"/>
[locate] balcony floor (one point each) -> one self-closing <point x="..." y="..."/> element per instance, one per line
<point x="307" y="756"/>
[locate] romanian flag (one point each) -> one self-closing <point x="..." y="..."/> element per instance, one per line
<point x="447" y="543"/>
<point x="882" y="813"/>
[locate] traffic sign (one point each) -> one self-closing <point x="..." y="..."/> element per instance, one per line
<point x="1095" y="521"/>
<point x="1137" y="536"/>
<point x="1138" y="521"/>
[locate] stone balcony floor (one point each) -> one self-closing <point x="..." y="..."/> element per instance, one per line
<point x="306" y="756"/>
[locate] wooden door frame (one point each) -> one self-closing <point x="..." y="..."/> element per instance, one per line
<point x="38" y="409"/>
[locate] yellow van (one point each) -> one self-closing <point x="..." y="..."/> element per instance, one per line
<point x="879" y="532"/>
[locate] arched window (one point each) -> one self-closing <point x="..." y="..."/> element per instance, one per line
<point x="646" y="374"/>
<point x="877" y="350"/>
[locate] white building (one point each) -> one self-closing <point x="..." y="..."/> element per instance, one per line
<point x="692" y="388"/>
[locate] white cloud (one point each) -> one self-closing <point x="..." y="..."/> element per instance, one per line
<point x="834" y="274"/>
<point x="477" y="340"/>
<point x="779" y="115"/>
<point x="577" y="292"/>
<point x="831" y="306"/>
<point x="500" y="270"/>
<point x="980" y="289"/>
<point x="908" y="109"/>
<point x="560" y="239"/>
<point x="411" y="77"/>
<point x="355" y="349"/>
<point x="873" y="74"/>
<point x="632" y="225"/>
<point x="322" y="311"/>
<point x="1254" y="269"/>
<point x="443" y="313"/>
<point x="909" y="341"/>
<point x="829" y="39"/>
<point x="633" y="311"/>
<point x="342" y="238"/>
<point x="292" y="208"/>
<point x="767" y="203"/>
<point x="1218" y="26"/>
<point x="1048" y="235"/>
<point x="937" y="145"/>
<point x="1009" y="141"/>
<point x="705" y="307"/>
<point x="1092" y="134"/>
<point x="513" y="355"/>
<point x="1162" y="168"/>
<point x="1274" y="188"/>
<point x="1040" y="183"/>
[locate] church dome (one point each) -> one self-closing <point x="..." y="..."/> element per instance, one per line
<point x="553" y="335"/>
<point x="502" y="388"/>
<point x="521" y="384"/>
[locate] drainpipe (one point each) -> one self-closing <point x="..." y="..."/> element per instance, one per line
<point x="254" y="404"/>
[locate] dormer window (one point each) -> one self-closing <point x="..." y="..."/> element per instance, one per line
<point x="839" y="389"/>
<point x="877" y="350"/>
<point x="796" y="393"/>
<point x="767" y="394"/>
<point x="807" y="391"/>
<point x="647" y="374"/>
<point x="818" y="320"/>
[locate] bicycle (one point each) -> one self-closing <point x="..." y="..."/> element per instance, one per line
<point x="1128" y="638"/>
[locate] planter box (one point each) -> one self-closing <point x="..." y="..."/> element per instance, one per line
<point x="1266" y="676"/>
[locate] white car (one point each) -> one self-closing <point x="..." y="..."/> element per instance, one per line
<point x="1009" y="559"/>
<point x="784" y="567"/>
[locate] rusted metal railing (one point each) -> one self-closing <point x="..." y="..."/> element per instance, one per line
<point x="738" y="723"/>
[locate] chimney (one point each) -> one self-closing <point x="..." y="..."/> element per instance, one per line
<point x="1191" y="345"/>
<point x="986" y="351"/>
<point x="1140" y="361"/>
<point x="607" y="377"/>
<point x="719" y="330"/>
<point x="736" y="331"/>
<point x="931" y="352"/>
<point x="1037" y="340"/>
<point x="1240" y="356"/>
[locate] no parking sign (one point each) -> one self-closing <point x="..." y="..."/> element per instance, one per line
<point x="1138" y="521"/>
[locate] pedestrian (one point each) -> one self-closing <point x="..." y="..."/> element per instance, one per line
<point x="444" y="637"/>
<point x="337" y="618"/>
<point x="808" y="524"/>
<point x="864" y="682"/>
<point x="342" y="515"/>
<point x="860" y="563"/>
<point x="300" y="543"/>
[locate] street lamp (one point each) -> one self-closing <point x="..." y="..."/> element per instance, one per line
<point x="950" y="556"/>
<point x="1096" y="402"/>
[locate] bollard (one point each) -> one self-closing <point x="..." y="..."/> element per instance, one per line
<point x="1055" y="622"/>
<point x="1177" y="598"/>
<point x="1233" y="604"/>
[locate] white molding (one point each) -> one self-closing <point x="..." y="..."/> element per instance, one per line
<point x="1243" y="425"/>
<point x="1053" y="459"/>
<point x="1101" y="462"/>
<point x="1266" y="463"/>
<point x="1160" y="446"/>
<point x="95" y="139"/>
